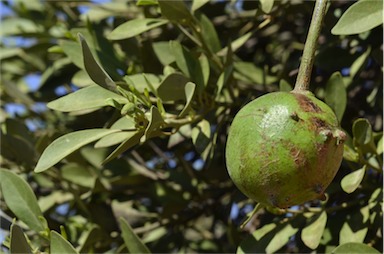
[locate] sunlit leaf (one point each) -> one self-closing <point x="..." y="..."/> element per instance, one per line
<point x="21" y="200"/>
<point x="60" y="245"/>
<point x="67" y="144"/>
<point x="351" y="182"/>
<point x="348" y="235"/>
<point x="163" y="52"/>
<point x="19" y="243"/>
<point x="360" y="17"/>
<point x="135" y="27"/>
<point x="311" y="234"/>
<point x="354" y="248"/>
<point x="131" y="240"/>
<point x="90" y="97"/>
<point x="336" y="94"/>
<point x="197" y="4"/>
<point x="266" y="5"/>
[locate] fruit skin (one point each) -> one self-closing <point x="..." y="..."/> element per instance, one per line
<point x="284" y="148"/>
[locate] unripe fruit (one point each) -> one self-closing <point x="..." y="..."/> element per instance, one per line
<point x="284" y="148"/>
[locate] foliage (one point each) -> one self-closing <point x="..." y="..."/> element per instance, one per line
<point x="130" y="157"/>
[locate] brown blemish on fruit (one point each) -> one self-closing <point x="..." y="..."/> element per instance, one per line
<point x="318" y="188"/>
<point x="307" y="104"/>
<point x="298" y="157"/>
<point x="295" y="117"/>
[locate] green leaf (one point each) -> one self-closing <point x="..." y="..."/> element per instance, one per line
<point x="236" y="44"/>
<point x="15" y="26"/>
<point x="197" y="4"/>
<point x="146" y="2"/>
<point x="201" y="137"/>
<point x="175" y="11"/>
<point x="311" y="234"/>
<point x="363" y="135"/>
<point x="266" y="5"/>
<point x="155" y="121"/>
<point x="356" y="66"/>
<point x="90" y="97"/>
<point x="79" y="175"/>
<point x="348" y="235"/>
<point x="21" y="200"/>
<point x="82" y="79"/>
<point x="247" y="71"/>
<point x="127" y="144"/>
<point x="163" y="52"/>
<point x="281" y="238"/>
<point x="336" y="94"/>
<point x="131" y="240"/>
<point x="94" y="70"/>
<point x="209" y="34"/>
<point x="172" y="88"/>
<point x="19" y="242"/>
<point x="73" y="50"/>
<point x="351" y="182"/>
<point x="284" y="86"/>
<point x="135" y="27"/>
<point x="354" y="248"/>
<point x="188" y="64"/>
<point x="189" y="91"/>
<point x="360" y="17"/>
<point x="67" y="144"/>
<point x="115" y="138"/>
<point x="60" y="245"/>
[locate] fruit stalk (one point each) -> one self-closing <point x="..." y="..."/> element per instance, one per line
<point x="304" y="75"/>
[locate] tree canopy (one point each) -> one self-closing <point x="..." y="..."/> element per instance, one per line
<point x="115" y="114"/>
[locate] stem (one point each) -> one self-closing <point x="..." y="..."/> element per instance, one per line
<point x="304" y="76"/>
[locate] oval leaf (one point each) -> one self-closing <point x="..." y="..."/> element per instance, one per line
<point x="60" y="245"/>
<point x="19" y="243"/>
<point x="362" y="131"/>
<point x="131" y="240"/>
<point x="360" y="17"/>
<point x="336" y="94"/>
<point x="354" y="248"/>
<point x="90" y="97"/>
<point x="351" y="181"/>
<point x="135" y="27"/>
<point x="311" y="234"/>
<point x="67" y="144"/>
<point x="20" y="199"/>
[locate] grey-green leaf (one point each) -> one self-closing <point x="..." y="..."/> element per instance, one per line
<point x="135" y="27"/>
<point x="19" y="243"/>
<point x="60" y="245"/>
<point x="201" y="137"/>
<point x="189" y="91"/>
<point x="360" y="17"/>
<point x="90" y="97"/>
<point x="336" y="94"/>
<point x="172" y="87"/>
<point x="311" y="234"/>
<point x="351" y="182"/>
<point x="354" y="248"/>
<point x="155" y="121"/>
<point x="175" y="11"/>
<point x="362" y="131"/>
<point x="131" y="240"/>
<point x="67" y="144"/>
<point x="94" y="70"/>
<point x="21" y="200"/>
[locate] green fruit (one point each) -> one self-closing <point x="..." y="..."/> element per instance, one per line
<point x="284" y="148"/>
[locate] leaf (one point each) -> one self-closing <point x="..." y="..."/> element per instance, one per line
<point x="189" y="91"/>
<point x="163" y="52"/>
<point x="336" y="94"/>
<point x="363" y="135"/>
<point x="172" y="88"/>
<point x="209" y="34"/>
<point x="197" y="4"/>
<point x="175" y="11"/>
<point x="90" y="97"/>
<point x="146" y="2"/>
<point x="348" y="235"/>
<point x="284" y="86"/>
<point x="79" y="175"/>
<point x="127" y="144"/>
<point x="135" y="27"/>
<point x="201" y="137"/>
<point x="205" y="68"/>
<point x="21" y="200"/>
<point x="247" y="71"/>
<point x="94" y="70"/>
<point x="188" y="64"/>
<point x="281" y="238"/>
<point x="266" y="5"/>
<point x="60" y="245"/>
<point x="353" y="248"/>
<point x="356" y="66"/>
<point x="236" y="44"/>
<point x="131" y="240"/>
<point x="67" y="144"/>
<point x="360" y="17"/>
<point x="114" y="139"/>
<point x="351" y="182"/>
<point x="311" y="234"/>
<point x="155" y="121"/>
<point x="19" y="242"/>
